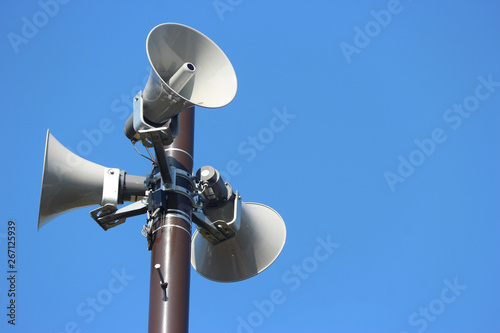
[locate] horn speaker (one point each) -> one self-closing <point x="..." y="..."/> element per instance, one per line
<point x="188" y="69"/>
<point x="71" y="182"/>
<point x="255" y="246"/>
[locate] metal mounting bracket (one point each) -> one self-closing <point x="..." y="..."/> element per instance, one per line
<point x="110" y="186"/>
<point x="173" y="187"/>
<point x="108" y="216"/>
<point x="140" y="124"/>
<point x="217" y="230"/>
<point x="159" y="137"/>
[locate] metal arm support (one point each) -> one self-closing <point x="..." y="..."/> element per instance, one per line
<point x="207" y="229"/>
<point x="108" y="216"/>
<point x="217" y="230"/>
<point x="157" y="137"/>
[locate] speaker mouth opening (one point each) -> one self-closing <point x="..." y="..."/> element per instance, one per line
<point x="213" y="86"/>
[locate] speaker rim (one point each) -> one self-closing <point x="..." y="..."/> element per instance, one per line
<point x="189" y="101"/>
<point x="68" y="182"/>
<point x="41" y="185"/>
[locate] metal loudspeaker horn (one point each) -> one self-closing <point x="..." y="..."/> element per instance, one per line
<point x="71" y="182"/>
<point x="187" y="69"/>
<point x="246" y="238"/>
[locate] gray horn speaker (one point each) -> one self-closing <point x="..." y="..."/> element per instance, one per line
<point x="71" y="182"/>
<point x="187" y="69"/>
<point x="257" y="243"/>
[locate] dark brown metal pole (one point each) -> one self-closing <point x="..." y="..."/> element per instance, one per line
<point x="171" y="246"/>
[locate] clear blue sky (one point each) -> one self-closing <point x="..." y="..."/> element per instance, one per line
<point x="383" y="163"/>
